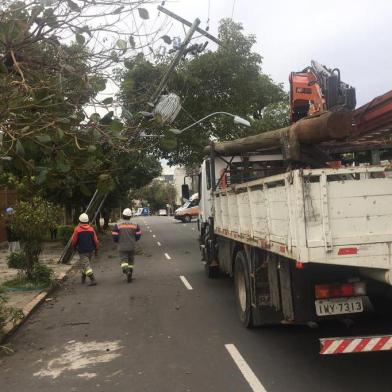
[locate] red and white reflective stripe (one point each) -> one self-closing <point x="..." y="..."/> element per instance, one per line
<point x="355" y="344"/>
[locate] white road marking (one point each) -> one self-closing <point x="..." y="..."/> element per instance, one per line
<point x="153" y="236"/>
<point x="167" y="256"/>
<point x="246" y="371"/>
<point x="150" y="231"/>
<point x="75" y="356"/>
<point x="186" y="283"/>
<point x="159" y="244"/>
<point x="193" y="228"/>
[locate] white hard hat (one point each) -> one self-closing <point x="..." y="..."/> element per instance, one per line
<point x="127" y="212"/>
<point x="83" y="218"/>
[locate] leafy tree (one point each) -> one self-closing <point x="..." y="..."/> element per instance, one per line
<point x="157" y="195"/>
<point x="229" y="79"/>
<point x="53" y="65"/>
<point x="273" y="116"/>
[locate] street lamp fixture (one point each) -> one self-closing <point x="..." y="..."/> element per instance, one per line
<point x="143" y="134"/>
<point x="237" y="120"/>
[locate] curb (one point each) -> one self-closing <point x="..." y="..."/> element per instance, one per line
<point x="28" y="309"/>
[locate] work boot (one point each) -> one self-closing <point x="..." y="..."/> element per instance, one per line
<point x="129" y="276"/>
<point x="125" y="268"/>
<point x="93" y="281"/>
<point x="83" y="278"/>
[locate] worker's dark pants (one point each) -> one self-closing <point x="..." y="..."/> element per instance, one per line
<point x="127" y="258"/>
<point x="85" y="263"/>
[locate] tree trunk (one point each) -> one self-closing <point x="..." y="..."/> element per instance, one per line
<point x="106" y="218"/>
<point x="98" y="223"/>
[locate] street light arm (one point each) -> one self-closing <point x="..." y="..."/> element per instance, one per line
<point x="205" y="118"/>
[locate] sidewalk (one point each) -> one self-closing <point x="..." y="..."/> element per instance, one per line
<point x="28" y="300"/>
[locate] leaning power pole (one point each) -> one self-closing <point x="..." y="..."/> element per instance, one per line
<point x="186" y="22"/>
<point x="193" y="28"/>
<point x="174" y="62"/>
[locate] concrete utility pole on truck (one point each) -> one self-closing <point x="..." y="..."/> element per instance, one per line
<point x="301" y="218"/>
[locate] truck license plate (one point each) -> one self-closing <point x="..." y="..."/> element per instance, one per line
<point x="329" y="307"/>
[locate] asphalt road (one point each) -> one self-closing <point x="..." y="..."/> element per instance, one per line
<point x="170" y="330"/>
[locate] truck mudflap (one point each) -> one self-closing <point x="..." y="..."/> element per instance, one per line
<point x="355" y="344"/>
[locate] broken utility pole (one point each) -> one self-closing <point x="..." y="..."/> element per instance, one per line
<point x="174" y="62"/>
<point x="185" y="22"/>
<point x="193" y="28"/>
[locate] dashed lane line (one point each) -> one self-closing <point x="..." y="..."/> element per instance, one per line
<point x="246" y="371"/>
<point x="186" y="283"/>
<point x="167" y="256"/>
<point x="159" y="244"/>
<point x="153" y="236"/>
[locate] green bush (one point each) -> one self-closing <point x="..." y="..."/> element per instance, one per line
<point x="64" y="233"/>
<point x="17" y="261"/>
<point x="7" y="313"/>
<point x="31" y="221"/>
<point x="4" y="312"/>
<point x="42" y="275"/>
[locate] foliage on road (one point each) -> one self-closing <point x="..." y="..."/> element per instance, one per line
<point x="156" y="195"/>
<point x="229" y="79"/>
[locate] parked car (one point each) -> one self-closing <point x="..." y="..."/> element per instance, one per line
<point x="189" y="210"/>
<point x="162" y="212"/>
<point x="142" y="211"/>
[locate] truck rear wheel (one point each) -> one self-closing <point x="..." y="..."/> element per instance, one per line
<point x="187" y="219"/>
<point x="242" y="289"/>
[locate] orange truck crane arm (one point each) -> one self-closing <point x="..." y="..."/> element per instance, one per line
<point x="316" y="89"/>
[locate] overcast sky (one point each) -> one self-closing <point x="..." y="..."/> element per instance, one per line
<point x="353" y="35"/>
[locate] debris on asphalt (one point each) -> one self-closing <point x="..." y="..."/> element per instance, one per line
<point x="79" y="323"/>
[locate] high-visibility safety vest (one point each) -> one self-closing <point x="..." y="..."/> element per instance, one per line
<point x="126" y="233"/>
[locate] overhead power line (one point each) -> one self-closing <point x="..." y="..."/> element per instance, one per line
<point x="232" y="11"/>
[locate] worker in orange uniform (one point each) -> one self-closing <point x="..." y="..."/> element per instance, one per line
<point x="85" y="241"/>
<point x="126" y="233"/>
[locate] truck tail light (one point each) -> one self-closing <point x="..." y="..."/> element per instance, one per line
<point x="299" y="265"/>
<point x="340" y="290"/>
